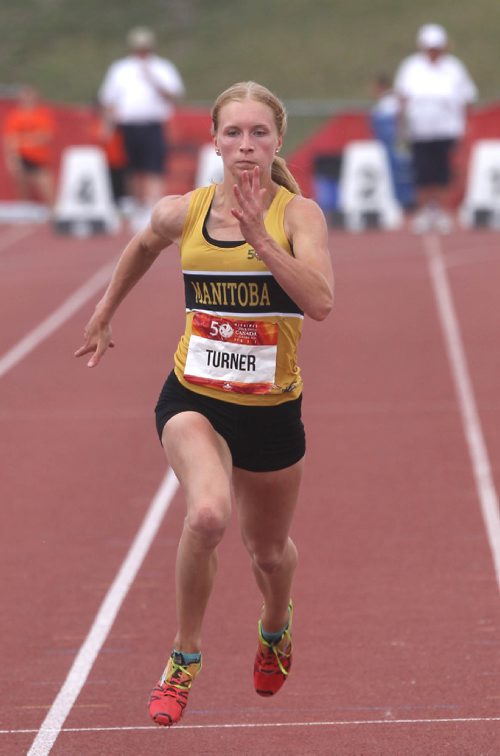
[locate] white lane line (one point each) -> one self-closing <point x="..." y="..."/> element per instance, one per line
<point x="105" y="617"/>
<point x="47" y="327"/>
<point x="258" y="725"/>
<point x="470" y="418"/>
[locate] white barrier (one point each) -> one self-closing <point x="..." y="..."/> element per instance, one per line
<point x="85" y="198"/>
<point x="366" y="195"/>
<point x="481" y="205"/>
<point x="210" y="168"/>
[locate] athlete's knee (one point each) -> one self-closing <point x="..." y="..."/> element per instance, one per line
<point x="272" y="557"/>
<point x="208" y="522"/>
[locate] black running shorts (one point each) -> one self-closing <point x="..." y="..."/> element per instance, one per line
<point x="146" y="147"/>
<point x="432" y="162"/>
<point x="261" y="439"/>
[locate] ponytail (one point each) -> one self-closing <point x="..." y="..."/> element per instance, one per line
<point x="281" y="174"/>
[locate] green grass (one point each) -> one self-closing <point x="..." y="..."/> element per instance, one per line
<point x="302" y="49"/>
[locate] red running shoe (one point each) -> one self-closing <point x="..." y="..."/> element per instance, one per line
<point x="169" y="698"/>
<point x="273" y="661"/>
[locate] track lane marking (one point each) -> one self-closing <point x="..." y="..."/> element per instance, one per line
<point x="471" y="423"/>
<point x="54" y="321"/>
<point x="104" y="619"/>
<point x="258" y="725"/>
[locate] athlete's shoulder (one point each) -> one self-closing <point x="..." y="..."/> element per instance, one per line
<point x="169" y="215"/>
<point x="303" y="214"/>
<point x="301" y="207"/>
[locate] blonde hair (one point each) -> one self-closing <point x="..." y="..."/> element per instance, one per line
<point x="250" y="90"/>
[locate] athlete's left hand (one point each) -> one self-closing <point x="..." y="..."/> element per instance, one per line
<point x="250" y="213"/>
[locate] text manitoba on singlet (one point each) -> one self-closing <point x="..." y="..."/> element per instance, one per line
<point x="237" y="293"/>
<point x="231" y="294"/>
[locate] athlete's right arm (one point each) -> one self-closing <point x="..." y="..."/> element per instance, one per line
<point x="166" y="227"/>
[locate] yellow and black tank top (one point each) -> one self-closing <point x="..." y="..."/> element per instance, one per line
<point x="242" y="329"/>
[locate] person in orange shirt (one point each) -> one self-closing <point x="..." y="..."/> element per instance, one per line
<point x="28" y="135"/>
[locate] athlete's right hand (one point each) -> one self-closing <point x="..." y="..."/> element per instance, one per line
<point x="98" y="338"/>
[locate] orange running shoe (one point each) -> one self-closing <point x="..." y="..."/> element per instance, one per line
<point x="273" y="661"/>
<point x="169" y="698"/>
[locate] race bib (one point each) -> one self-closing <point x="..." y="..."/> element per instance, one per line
<point x="231" y="354"/>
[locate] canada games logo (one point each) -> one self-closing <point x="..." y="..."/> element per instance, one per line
<point x="226" y="331"/>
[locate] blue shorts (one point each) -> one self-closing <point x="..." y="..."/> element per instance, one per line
<point x="260" y="439"/>
<point x="146" y="147"/>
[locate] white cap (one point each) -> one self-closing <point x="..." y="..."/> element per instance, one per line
<point x="141" y="38"/>
<point x="432" y="37"/>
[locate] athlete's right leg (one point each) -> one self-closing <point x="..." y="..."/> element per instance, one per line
<point x="202" y="462"/>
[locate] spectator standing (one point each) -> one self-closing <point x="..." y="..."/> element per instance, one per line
<point x="28" y="133"/>
<point x="140" y="92"/>
<point x="436" y="91"/>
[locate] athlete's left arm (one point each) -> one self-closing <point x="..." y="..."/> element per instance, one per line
<point x="307" y="276"/>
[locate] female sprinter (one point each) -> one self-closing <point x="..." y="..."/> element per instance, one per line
<point x="255" y="260"/>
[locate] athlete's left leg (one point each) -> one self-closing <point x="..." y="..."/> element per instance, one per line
<point x="266" y="503"/>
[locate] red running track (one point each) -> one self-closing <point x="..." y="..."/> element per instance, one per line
<point x="397" y="623"/>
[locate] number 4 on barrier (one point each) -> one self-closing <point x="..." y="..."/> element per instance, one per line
<point x="85" y="199"/>
<point x="85" y="190"/>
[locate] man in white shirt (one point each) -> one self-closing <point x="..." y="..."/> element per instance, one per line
<point x="140" y="92"/>
<point x="436" y="91"/>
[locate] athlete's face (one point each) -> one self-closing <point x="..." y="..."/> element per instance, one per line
<point x="247" y="136"/>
